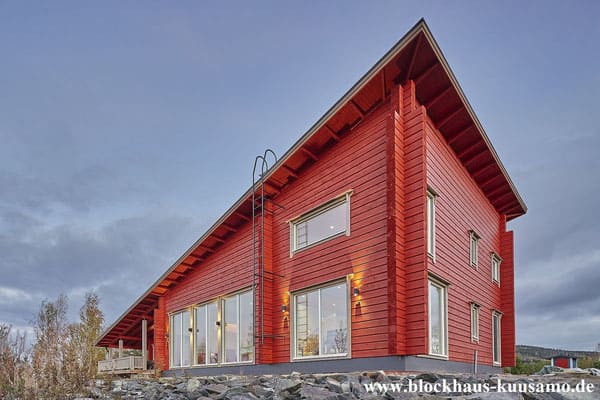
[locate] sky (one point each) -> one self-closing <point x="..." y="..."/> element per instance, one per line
<point x="128" y="128"/>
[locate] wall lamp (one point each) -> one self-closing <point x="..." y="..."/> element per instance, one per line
<point x="356" y="292"/>
<point x="283" y="308"/>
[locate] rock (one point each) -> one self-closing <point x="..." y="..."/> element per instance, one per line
<point x="318" y="393"/>
<point x="193" y="385"/>
<point x="333" y="385"/>
<point x="215" y="388"/>
<point x="288" y="385"/>
<point x="428" y="377"/>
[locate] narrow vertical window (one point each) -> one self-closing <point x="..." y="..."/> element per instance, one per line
<point x="431" y="223"/>
<point x="496" y="268"/>
<point x="206" y="330"/>
<point x="475" y="322"/>
<point x="180" y="339"/>
<point x="321" y="322"/>
<point x="473" y="248"/>
<point x="438" y="322"/>
<point x="496" y="316"/>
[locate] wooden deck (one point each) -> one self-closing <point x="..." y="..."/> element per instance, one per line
<point x="122" y="365"/>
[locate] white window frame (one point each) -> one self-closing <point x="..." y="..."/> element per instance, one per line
<point x="443" y="312"/>
<point x="497" y="341"/>
<point x="294" y="347"/>
<point x="496" y="262"/>
<point x="223" y="331"/>
<point x="172" y="338"/>
<point x="339" y="200"/>
<point x="474" y="249"/>
<point x="475" y="313"/>
<point x="220" y="301"/>
<point x="430" y="222"/>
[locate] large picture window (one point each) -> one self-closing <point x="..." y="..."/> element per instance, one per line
<point x="321" y="322"/>
<point x="327" y="221"/>
<point x="213" y="333"/>
<point x="438" y="321"/>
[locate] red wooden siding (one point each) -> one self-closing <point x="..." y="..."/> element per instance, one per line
<point x="414" y="223"/>
<point x="507" y="288"/>
<point x="357" y="162"/>
<point x="161" y="351"/>
<point x="461" y="206"/>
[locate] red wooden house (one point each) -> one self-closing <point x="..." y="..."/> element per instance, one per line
<point x="378" y="241"/>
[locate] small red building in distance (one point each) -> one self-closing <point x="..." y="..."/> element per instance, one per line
<point x="378" y="241"/>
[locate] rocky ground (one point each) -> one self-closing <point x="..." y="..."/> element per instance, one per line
<point x="366" y="385"/>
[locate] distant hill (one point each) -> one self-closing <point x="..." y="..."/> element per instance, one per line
<point x="532" y="353"/>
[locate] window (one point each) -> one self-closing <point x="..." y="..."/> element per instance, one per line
<point x="180" y="339"/>
<point x="238" y="340"/>
<point x="475" y="322"/>
<point x="206" y="341"/>
<point x="496" y="268"/>
<point x="438" y="322"/>
<point x="329" y="220"/>
<point x="473" y="248"/>
<point x="431" y="223"/>
<point x="321" y="322"/>
<point x="496" y="316"/>
<point x="222" y="332"/>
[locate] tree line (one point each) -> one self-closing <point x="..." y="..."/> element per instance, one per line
<point x="60" y="358"/>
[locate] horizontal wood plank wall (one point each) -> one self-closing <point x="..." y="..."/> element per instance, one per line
<point x="357" y="162"/>
<point x="507" y="287"/>
<point x="415" y="251"/>
<point x="460" y="207"/>
<point x="227" y="270"/>
<point x="161" y="351"/>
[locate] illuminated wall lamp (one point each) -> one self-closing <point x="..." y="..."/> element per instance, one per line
<point x="356" y="292"/>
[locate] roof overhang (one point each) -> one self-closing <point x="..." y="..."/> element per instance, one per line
<point x="416" y="57"/>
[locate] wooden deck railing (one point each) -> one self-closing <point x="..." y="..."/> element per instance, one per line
<point x="122" y="364"/>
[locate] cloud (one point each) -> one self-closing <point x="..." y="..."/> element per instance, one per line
<point x="10" y="295"/>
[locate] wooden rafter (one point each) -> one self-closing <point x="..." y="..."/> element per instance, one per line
<point x="357" y="108"/>
<point x="438" y="96"/>
<point x="488" y="181"/>
<point x="229" y="227"/>
<point x="461" y="132"/>
<point x="383" y="84"/>
<point x="468" y="149"/>
<point x="291" y="172"/>
<point x="484" y="169"/>
<point x="242" y="216"/>
<point x="331" y="133"/>
<point x="413" y="58"/>
<point x="449" y="117"/>
<point x="309" y="153"/>
<point x="217" y="238"/>
<point x="475" y="158"/>
<point x="205" y="247"/>
<point x="426" y="72"/>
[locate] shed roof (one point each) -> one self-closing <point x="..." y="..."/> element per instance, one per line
<point x="416" y="57"/>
